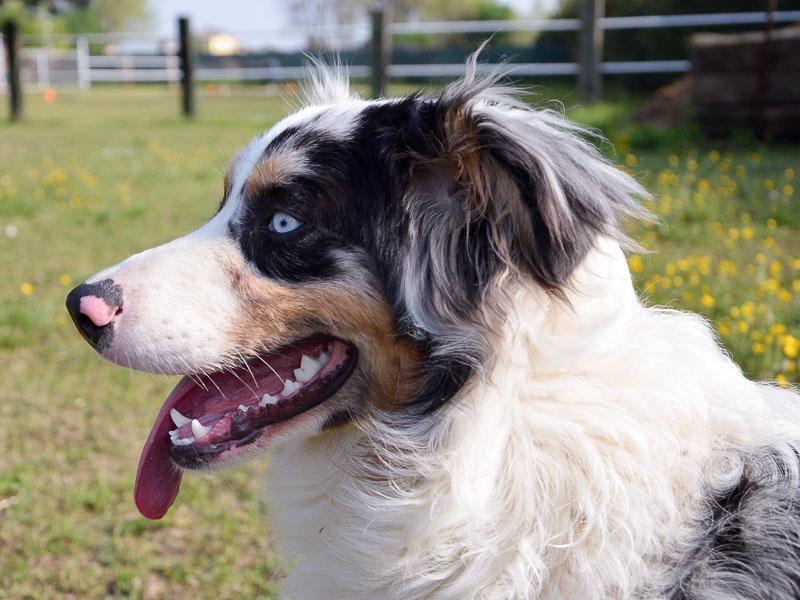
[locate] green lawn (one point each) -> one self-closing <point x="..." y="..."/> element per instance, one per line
<point x="95" y="177"/>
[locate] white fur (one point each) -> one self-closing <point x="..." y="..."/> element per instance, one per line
<point x="570" y="471"/>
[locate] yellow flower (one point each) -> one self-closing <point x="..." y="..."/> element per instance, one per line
<point x="778" y="329"/>
<point x="65" y="280"/>
<point x="791" y="346"/>
<point x="769" y="184"/>
<point x="636" y="264"/>
<point x="740" y="170"/>
<point x="748" y="233"/>
<point x="26" y="288"/>
<point x="789" y="173"/>
<point x="742" y="327"/>
<point x="630" y="160"/>
<point x="772" y="224"/>
<point x="781" y="379"/>
<point x="671" y="269"/>
<point x="788" y="190"/>
<point x="691" y="164"/>
<point x="759" y="348"/>
<point x="713" y="155"/>
<point x="735" y="313"/>
<point x="674" y="161"/>
<point x="708" y="300"/>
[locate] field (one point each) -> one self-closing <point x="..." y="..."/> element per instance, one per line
<point x="93" y="178"/>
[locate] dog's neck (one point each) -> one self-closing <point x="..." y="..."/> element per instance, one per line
<point x="534" y="458"/>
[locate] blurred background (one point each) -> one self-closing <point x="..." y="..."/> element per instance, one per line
<point x="117" y="119"/>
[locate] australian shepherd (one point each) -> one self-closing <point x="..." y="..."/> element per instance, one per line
<point x="422" y="308"/>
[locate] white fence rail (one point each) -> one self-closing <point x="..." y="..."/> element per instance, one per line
<point x="45" y="66"/>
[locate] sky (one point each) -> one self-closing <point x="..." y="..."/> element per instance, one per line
<point x="238" y="16"/>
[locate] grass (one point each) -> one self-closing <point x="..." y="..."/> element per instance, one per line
<point x="94" y="177"/>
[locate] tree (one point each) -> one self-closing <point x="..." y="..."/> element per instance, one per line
<point x="73" y="16"/>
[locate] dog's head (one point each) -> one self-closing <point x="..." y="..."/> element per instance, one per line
<point x="352" y="265"/>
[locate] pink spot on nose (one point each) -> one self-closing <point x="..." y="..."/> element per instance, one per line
<point x="97" y="310"/>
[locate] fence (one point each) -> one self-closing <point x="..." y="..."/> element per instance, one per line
<point x="46" y="65"/>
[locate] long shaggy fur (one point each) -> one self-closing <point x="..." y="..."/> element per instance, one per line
<point x="520" y="425"/>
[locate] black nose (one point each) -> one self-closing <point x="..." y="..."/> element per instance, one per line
<point x="93" y="307"/>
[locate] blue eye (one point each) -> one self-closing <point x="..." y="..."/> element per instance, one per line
<point x="283" y="223"/>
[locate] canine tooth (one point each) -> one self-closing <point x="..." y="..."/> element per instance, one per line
<point x="290" y="387"/>
<point x="324" y="358"/>
<point x="243" y="408"/>
<point x="198" y="429"/>
<point x="267" y="399"/>
<point x="183" y="442"/>
<point x="330" y="347"/>
<point x="178" y="418"/>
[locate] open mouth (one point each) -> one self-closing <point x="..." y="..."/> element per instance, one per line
<point x="216" y="417"/>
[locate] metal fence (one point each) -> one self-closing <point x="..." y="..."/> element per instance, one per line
<point x="81" y="59"/>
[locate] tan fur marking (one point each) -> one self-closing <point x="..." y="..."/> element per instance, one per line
<point x="273" y="169"/>
<point x="227" y="182"/>
<point x="350" y="309"/>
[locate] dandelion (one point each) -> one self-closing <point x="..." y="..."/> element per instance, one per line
<point x="772" y="224"/>
<point x="65" y="280"/>
<point x="791" y="346"/>
<point x="708" y="300"/>
<point x="26" y="288"/>
<point x="769" y="184"/>
<point x="788" y="190"/>
<point x="789" y="173"/>
<point x="691" y="164"/>
<point x="630" y="160"/>
<point x="759" y="348"/>
<point x="674" y="161"/>
<point x="636" y="264"/>
<point x="782" y="381"/>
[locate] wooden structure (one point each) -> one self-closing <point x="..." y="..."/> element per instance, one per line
<point x="748" y="80"/>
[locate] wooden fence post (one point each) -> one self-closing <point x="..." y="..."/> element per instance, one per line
<point x="590" y="76"/>
<point x="381" y="45"/>
<point x="187" y="67"/>
<point x="10" y="30"/>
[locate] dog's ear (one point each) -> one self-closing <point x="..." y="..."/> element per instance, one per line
<point x="501" y="190"/>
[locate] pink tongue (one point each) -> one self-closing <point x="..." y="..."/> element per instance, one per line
<point x="157" y="478"/>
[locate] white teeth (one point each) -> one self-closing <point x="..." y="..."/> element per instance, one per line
<point x="198" y="429"/>
<point x="243" y="408"/>
<point x="267" y="399"/>
<point x="178" y="418"/>
<point x="290" y="387"/>
<point x="324" y="358"/>
<point x="173" y="435"/>
<point x="308" y="368"/>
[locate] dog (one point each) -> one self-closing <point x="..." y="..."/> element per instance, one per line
<point x="422" y="306"/>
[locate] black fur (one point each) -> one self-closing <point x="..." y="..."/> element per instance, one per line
<point x="748" y="544"/>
